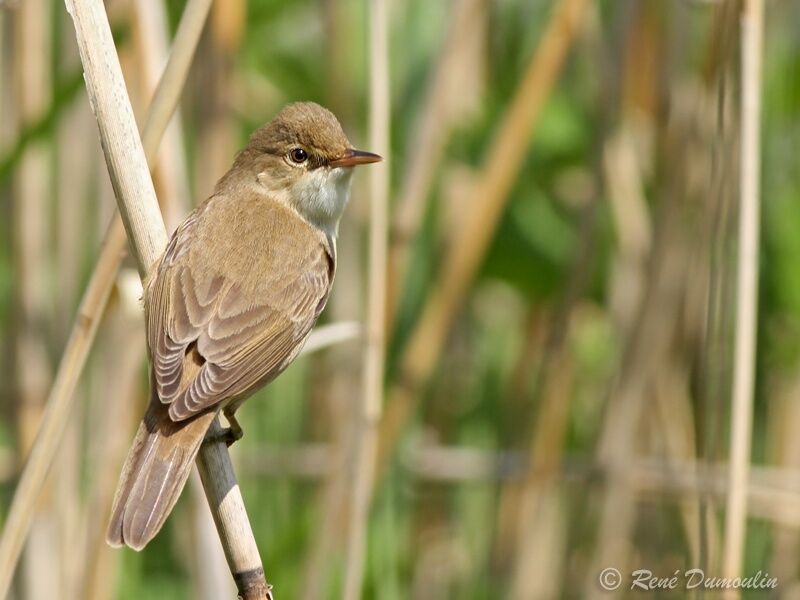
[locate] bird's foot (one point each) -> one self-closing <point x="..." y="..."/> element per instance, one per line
<point x="235" y="432"/>
<point x="226" y="435"/>
<point x="229" y="435"/>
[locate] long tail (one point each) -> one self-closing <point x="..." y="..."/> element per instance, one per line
<point x="158" y="464"/>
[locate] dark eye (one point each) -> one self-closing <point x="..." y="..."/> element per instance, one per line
<point x="298" y="155"/>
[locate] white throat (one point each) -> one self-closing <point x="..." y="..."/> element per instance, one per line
<point x="321" y="196"/>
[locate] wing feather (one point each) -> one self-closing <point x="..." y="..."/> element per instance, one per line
<point x="244" y="335"/>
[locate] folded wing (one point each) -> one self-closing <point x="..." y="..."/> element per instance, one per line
<point x="231" y="335"/>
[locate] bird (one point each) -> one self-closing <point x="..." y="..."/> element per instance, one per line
<point x="230" y="303"/>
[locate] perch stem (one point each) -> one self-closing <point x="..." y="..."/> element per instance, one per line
<point x="136" y="200"/>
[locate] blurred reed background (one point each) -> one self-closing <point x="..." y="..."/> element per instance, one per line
<point x="561" y="304"/>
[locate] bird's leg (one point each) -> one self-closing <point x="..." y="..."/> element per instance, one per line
<point x="234" y="429"/>
<point x="231" y="434"/>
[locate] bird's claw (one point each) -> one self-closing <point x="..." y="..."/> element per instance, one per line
<point x="234" y="429"/>
<point x="229" y="435"/>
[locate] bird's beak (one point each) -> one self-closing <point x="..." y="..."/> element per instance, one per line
<point x="352" y="158"/>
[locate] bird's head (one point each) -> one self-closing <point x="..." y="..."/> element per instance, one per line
<point x="303" y="157"/>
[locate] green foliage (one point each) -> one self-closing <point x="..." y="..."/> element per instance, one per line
<point x="483" y="396"/>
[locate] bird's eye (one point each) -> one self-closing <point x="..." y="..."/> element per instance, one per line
<point x="298" y="155"/>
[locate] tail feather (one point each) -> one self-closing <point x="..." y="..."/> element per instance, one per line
<point x="155" y="471"/>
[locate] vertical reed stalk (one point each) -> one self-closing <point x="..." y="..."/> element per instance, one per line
<point x="342" y="366"/>
<point x="374" y="346"/>
<point x="32" y="83"/>
<point x="169" y="168"/>
<point x="752" y="27"/>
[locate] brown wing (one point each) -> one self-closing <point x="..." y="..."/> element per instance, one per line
<point x="237" y="329"/>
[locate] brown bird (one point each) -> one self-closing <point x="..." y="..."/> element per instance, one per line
<point x="232" y="300"/>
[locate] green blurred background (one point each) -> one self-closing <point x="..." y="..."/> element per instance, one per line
<point x="576" y="413"/>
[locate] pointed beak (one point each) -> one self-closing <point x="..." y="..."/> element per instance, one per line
<point x="352" y="158"/>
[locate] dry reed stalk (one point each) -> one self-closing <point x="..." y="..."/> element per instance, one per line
<point x="544" y="459"/>
<point x="217" y="136"/>
<point x="339" y="84"/>
<point x="503" y="161"/>
<point x="115" y="413"/>
<point x="138" y="207"/>
<point x="61" y="398"/>
<point x="31" y="195"/>
<point x="32" y="257"/>
<point x="230" y="516"/>
<point x="540" y="490"/>
<point x="431" y="132"/>
<point x="544" y="555"/>
<point x="76" y="154"/>
<point x="369" y="413"/>
<point x="674" y="422"/>
<point x="623" y="171"/>
<point x="169" y="170"/>
<point x="210" y="580"/>
<point x="752" y="31"/>
<point x="68" y="510"/>
<point x="341" y="366"/>
<point x="332" y="405"/>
